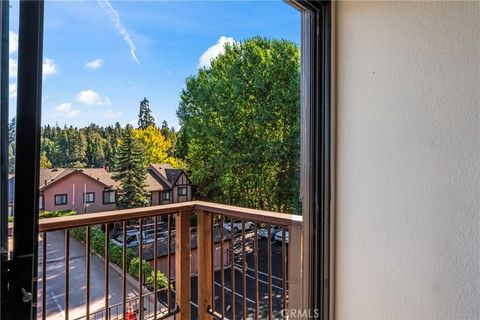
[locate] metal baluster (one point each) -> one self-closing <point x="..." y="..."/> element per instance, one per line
<point x="169" y="253"/>
<point x="87" y="277"/>
<point x="222" y="267"/>
<point x="255" y="257"/>
<point x="67" y="271"/>
<point x="124" y="270"/>
<point x="140" y="268"/>
<point x="44" y="275"/>
<point x="155" y="249"/>
<point x="269" y="272"/>
<point x="107" y="256"/>
<point x="284" y="271"/>
<point x="244" y="273"/>
<point x="232" y="268"/>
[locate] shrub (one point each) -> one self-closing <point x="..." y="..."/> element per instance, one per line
<point x="162" y="280"/>
<point x="134" y="265"/>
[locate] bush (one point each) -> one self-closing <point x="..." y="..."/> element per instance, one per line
<point x="134" y="265"/>
<point x="162" y="280"/>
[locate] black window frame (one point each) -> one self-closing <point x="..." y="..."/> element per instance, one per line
<point x="60" y="195"/>
<point x="108" y="191"/>
<point x="183" y="188"/>
<point x="316" y="153"/>
<point x="166" y="193"/>
<point x="85" y="195"/>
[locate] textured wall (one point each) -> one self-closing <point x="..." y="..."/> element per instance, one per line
<point x="408" y="160"/>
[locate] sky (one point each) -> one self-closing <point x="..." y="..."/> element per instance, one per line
<point x="101" y="58"/>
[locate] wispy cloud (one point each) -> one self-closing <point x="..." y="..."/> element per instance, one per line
<point x="65" y="109"/>
<point x="212" y="52"/>
<point x="13" y="39"/>
<point x="112" y="114"/>
<point x="90" y="97"/>
<point x="115" y="18"/>
<point x="94" y="64"/>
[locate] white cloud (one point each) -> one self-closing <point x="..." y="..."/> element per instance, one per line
<point x="13" y="39"/>
<point x="12" y="90"/>
<point x="49" y="67"/>
<point x="94" y="64"/>
<point x="112" y="114"/>
<point x="115" y="18"/>
<point x="91" y="97"/>
<point x="214" y="51"/>
<point x="65" y="109"/>
<point x="12" y="68"/>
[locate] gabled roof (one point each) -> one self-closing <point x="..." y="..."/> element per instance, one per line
<point x="159" y="176"/>
<point x="167" y="171"/>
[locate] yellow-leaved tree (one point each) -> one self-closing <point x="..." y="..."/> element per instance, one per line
<point x="156" y="146"/>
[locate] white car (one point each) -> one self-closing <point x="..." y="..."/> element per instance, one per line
<point x="279" y="236"/>
<point x="237" y="225"/>
<point x="263" y="233"/>
<point x="133" y="235"/>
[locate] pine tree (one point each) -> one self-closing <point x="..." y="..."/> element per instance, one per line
<point x="145" y="118"/>
<point x="130" y="163"/>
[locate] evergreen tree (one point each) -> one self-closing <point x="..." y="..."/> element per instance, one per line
<point x="11" y="145"/>
<point x="145" y="118"/>
<point x="130" y="163"/>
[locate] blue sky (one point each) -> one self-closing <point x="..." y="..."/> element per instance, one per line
<point x="101" y="58"/>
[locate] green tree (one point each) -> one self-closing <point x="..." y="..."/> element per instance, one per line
<point x="240" y="126"/>
<point x="145" y="118"/>
<point x="130" y="163"/>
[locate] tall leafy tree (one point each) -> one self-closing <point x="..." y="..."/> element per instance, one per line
<point x="131" y="171"/>
<point x="145" y="118"/>
<point x="157" y="146"/>
<point x="240" y="126"/>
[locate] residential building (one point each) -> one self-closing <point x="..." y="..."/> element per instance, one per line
<point x="87" y="190"/>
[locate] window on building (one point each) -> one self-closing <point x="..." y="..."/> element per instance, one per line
<point x="182" y="191"/>
<point x="41" y="202"/>
<point x="166" y="195"/>
<point x="89" y="197"/>
<point x="151" y="198"/>
<point x="60" y="199"/>
<point x="109" y="197"/>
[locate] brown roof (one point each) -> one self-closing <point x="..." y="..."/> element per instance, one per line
<point x="159" y="176"/>
<point x="167" y="171"/>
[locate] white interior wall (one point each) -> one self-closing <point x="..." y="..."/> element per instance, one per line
<point x="408" y="160"/>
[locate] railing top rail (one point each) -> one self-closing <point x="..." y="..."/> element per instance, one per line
<point x="81" y="220"/>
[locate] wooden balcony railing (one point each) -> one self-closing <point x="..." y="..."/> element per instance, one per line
<point x="237" y="275"/>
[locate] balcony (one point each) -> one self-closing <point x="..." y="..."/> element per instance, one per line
<point x="211" y="271"/>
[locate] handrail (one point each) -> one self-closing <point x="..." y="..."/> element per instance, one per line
<point x="81" y="220"/>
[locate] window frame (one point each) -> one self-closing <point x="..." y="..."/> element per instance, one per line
<point x="183" y="188"/>
<point x="317" y="137"/>
<point x="60" y="195"/>
<point x="85" y="195"/>
<point x="166" y="193"/>
<point x="109" y="191"/>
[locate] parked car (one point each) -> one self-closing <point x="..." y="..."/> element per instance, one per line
<point x="263" y="233"/>
<point x="132" y="237"/>
<point x="237" y="225"/>
<point x="279" y="236"/>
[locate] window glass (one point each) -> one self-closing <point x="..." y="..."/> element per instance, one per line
<point x="89" y="197"/>
<point x="108" y="197"/>
<point x="166" y="195"/>
<point x="182" y="191"/>
<point x="60" y="199"/>
<point x="40" y="202"/>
